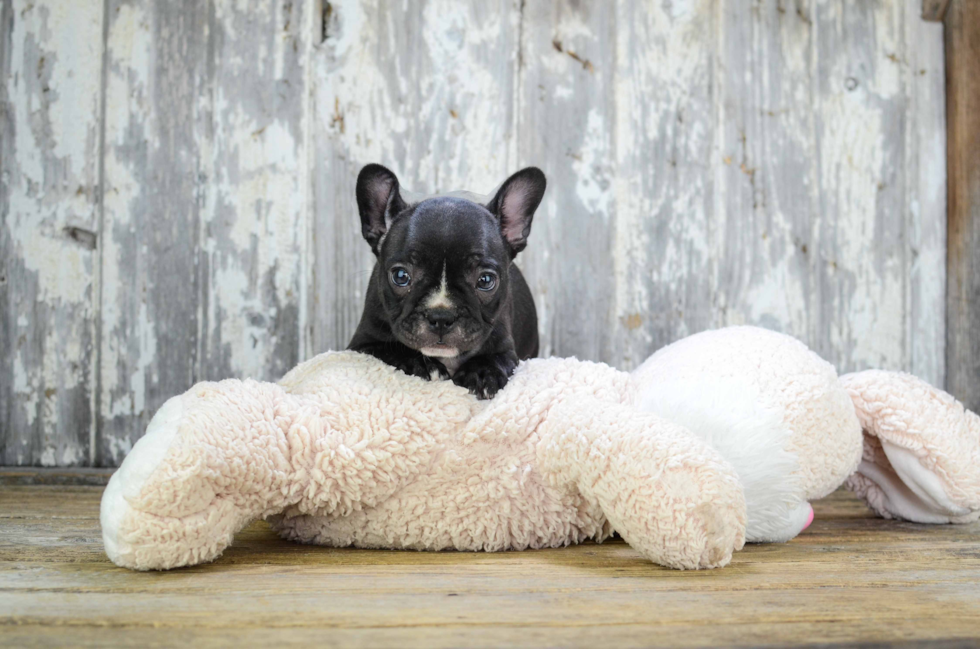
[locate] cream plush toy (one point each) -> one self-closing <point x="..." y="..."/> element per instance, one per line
<point x="718" y="439"/>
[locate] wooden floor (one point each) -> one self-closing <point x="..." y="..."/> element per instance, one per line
<point x="850" y="578"/>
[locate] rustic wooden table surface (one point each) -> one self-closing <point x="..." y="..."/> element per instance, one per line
<point x="850" y="578"/>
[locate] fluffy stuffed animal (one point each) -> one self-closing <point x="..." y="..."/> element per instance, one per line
<point x="718" y="439"/>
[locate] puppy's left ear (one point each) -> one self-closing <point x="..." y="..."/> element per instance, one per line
<point x="515" y="203"/>
<point x="379" y="200"/>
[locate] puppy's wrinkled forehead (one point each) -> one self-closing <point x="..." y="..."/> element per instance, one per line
<point x="448" y="226"/>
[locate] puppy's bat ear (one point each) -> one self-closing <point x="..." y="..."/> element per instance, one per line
<point x="515" y="203"/>
<point x="378" y="202"/>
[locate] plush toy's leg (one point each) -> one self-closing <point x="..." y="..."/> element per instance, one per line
<point x="212" y="460"/>
<point x="921" y="449"/>
<point x="670" y="495"/>
<point x="127" y="482"/>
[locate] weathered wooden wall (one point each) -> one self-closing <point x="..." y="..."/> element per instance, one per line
<point x="177" y="182"/>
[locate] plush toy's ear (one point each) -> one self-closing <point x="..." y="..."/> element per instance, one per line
<point x="515" y="203"/>
<point x="378" y="202"/>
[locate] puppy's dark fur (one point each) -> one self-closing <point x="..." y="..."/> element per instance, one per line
<point x="445" y="298"/>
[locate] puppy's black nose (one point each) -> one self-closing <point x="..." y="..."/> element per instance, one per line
<point x="440" y="319"/>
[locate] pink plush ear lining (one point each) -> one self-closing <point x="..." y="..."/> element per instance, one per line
<point x="922" y="449"/>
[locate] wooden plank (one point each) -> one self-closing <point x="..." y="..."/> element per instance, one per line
<point x="255" y="221"/>
<point x="766" y="180"/>
<point x="49" y="151"/>
<point x="205" y="269"/>
<point x="925" y="202"/>
<point x="963" y="260"/>
<point x="56" y="586"/>
<point x="156" y="126"/>
<point x="859" y="238"/>
<point x="770" y="197"/>
<point x="425" y="88"/>
<point x="566" y="127"/>
<point x="54" y="476"/>
<point x="664" y="192"/>
<point x="934" y="10"/>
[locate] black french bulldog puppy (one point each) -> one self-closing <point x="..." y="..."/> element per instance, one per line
<point x="445" y="298"/>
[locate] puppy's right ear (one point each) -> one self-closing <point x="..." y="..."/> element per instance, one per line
<point x="378" y="202"/>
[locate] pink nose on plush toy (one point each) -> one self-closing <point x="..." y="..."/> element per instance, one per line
<point x="809" y="519"/>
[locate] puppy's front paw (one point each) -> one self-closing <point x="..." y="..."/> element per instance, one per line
<point x="484" y="376"/>
<point x="423" y="366"/>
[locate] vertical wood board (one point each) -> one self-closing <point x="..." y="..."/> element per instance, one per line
<point x="963" y="262"/>
<point x="156" y="57"/>
<point x="206" y="176"/>
<point x="664" y="188"/>
<point x="566" y="126"/>
<point x="255" y="225"/>
<point x="51" y="108"/>
<point x="766" y="171"/>
<point x="925" y="160"/>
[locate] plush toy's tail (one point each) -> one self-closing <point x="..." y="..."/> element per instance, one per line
<point x="921" y="457"/>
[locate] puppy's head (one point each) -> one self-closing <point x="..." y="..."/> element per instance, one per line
<point x="444" y="261"/>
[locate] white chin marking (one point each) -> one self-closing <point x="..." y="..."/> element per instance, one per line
<point x="440" y="352"/>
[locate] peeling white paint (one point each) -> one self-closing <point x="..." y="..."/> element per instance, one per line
<point x="50" y="174"/>
<point x="142" y="365"/>
<point x="129" y="47"/>
<point x="47" y="457"/>
<point x="25" y="390"/>
<point x="592" y="184"/>
<point x="256" y="215"/>
<point x="869" y="325"/>
<point x="776" y="301"/>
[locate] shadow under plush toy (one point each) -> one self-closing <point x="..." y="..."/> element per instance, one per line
<point x="718" y="439"/>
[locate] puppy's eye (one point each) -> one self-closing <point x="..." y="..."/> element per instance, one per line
<point x="487" y="282"/>
<point x="400" y="277"/>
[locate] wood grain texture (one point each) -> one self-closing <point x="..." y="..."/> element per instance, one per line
<point x="774" y="167"/>
<point x="765" y="253"/>
<point x="963" y="261"/>
<point x="565" y="126"/>
<point x="822" y="206"/>
<point x="51" y="63"/>
<point x="205" y="207"/>
<point x="926" y="191"/>
<point x="156" y="66"/>
<point x="850" y="578"/>
<point x="860" y="233"/>
<point x="664" y="182"/>
<point x="255" y="225"/>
